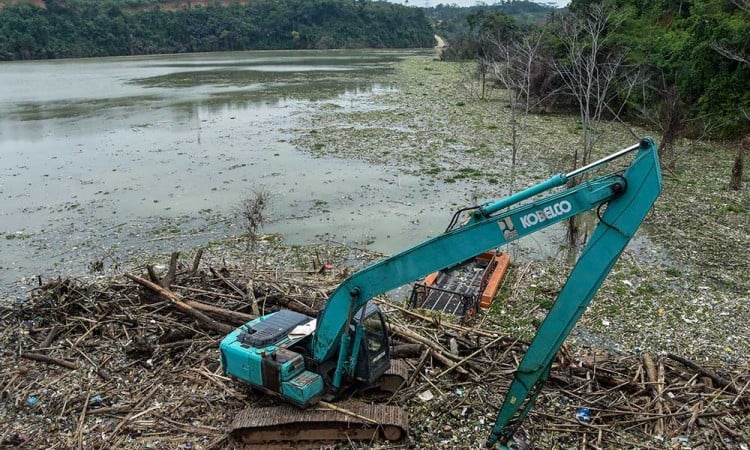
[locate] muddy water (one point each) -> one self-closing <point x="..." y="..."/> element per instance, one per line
<point x="103" y="158"/>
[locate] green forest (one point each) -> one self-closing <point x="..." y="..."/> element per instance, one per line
<point x="84" y="28"/>
<point x="679" y="66"/>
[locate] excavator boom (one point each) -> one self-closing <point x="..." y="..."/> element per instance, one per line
<point x="487" y="229"/>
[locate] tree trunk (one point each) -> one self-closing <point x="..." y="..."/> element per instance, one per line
<point x="573" y="232"/>
<point x="573" y="223"/>
<point x="672" y="126"/>
<point x="735" y="183"/>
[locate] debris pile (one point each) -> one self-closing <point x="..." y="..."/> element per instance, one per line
<point x="132" y="362"/>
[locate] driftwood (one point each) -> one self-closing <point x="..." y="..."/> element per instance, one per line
<point x="403" y="351"/>
<point x="221" y="313"/>
<point x="436" y="350"/>
<point x="716" y="379"/>
<point x="149" y="371"/>
<point x="50" y="360"/>
<point x="181" y="305"/>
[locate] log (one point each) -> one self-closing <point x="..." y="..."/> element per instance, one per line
<point x="50" y="360"/>
<point x="228" y="282"/>
<point x="437" y="352"/>
<point x="225" y="314"/>
<point x="716" y="379"/>
<point x="182" y="306"/>
<point x="51" y="336"/>
<point x="402" y="351"/>
<point x="653" y="380"/>
<point x="294" y="305"/>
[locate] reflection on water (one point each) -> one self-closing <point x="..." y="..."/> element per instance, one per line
<point x="101" y="156"/>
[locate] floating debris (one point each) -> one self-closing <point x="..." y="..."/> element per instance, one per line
<point x="131" y="367"/>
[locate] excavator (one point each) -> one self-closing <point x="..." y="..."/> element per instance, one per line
<point x="304" y="360"/>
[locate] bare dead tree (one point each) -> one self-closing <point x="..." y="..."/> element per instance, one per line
<point x="513" y="70"/>
<point x="252" y="212"/>
<point x="590" y="72"/>
<point x="669" y="117"/>
<point x="735" y="181"/>
<point x="672" y="123"/>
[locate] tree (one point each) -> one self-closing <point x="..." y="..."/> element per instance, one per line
<point x="736" y="55"/>
<point x="591" y="72"/>
<point x="108" y="27"/>
<point x="513" y="69"/>
<point x="735" y="181"/>
<point x="491" y="29"/>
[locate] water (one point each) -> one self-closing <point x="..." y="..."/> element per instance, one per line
<point x="103" y="157"/>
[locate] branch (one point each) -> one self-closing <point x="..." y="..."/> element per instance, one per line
<point x="50" y="360"/>
<point x="182" y="306"/>
<point x="168" y="279"/>
<point x="716" y="379"/>
<point x="729" y="54"/>
<point x="743" y="5"/>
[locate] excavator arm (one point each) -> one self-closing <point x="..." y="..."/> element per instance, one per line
<point x="616" y="227"/>
<point x="628" y="196"/>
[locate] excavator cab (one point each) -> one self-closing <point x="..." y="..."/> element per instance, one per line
<point x="374" y="357"/>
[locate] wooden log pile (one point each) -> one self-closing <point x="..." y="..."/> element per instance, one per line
<point x="132" y="362"/>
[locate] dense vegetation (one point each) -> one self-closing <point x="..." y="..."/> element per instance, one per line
<point x="682" y="66"/>
<point x="681" y="45"/>
<point x="451" y="22"/>
<point x="79" y="28"/>
<point x="690" y="57"/>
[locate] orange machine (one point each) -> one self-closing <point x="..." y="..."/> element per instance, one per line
<point x="463" y="288"/>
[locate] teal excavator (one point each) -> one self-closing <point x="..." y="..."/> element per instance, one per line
<point x="304" y="360"/>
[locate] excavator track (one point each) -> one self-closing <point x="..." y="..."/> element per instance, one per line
<point x="395" y="377"/>
<point x="289" y="427"/>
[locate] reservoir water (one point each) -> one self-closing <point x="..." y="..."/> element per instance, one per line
<point x="103" y="157"/>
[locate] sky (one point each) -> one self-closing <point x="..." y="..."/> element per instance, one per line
<point x="423" y="3"/>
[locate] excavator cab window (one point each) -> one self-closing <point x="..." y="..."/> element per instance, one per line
<point x="374" y="334"/>
<point x="374" y="355"/>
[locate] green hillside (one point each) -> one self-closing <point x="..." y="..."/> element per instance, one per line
<point x="82" y="28"/>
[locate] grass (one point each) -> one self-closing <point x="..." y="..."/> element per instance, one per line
<point x="17" y="235"/>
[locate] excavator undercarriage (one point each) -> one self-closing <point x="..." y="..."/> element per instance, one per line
<point x="364" y="416"/>
<point x="287" y="426"/>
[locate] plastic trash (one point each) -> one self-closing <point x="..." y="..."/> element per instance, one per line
<point x="583" y="415"/>
<point x="31" y="400"/>
<point x="684" y="442"/>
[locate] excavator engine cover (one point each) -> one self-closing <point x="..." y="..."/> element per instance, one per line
<point x="257" y="353"/>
